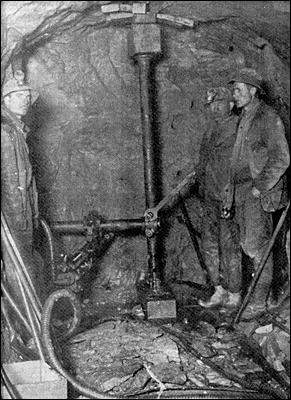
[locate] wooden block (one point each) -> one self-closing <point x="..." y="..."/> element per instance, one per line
<point x="144" y="38"/>
<point x="175" y="21"/>
<point x="121" y="16"/>
<point x="35" y="380"/>
<point x="109" y="8"/>
<point x="162" y="309"/>
<point x="139" y="8"/>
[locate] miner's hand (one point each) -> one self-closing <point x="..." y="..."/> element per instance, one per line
<point x="256" y="193"/>
<point x="227" y="202"/>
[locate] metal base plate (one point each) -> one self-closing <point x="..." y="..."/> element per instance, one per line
<point x="162" y="309"/>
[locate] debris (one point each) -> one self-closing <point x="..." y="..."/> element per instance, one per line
<point x="197" y="379"/>
<point x="228" y="345"/>
<point x="152" y="375"/>
<point x="264" y="329"/>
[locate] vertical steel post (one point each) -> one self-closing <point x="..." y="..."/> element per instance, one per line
<point x="148" y="135"/>
<point x="144" y="44"/>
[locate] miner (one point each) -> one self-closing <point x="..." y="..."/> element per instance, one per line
<point x="18" y="189"/>
<point x="259" y="160"/>
<point x="220" y="240"/>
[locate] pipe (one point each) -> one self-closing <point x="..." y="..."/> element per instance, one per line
<point x="78" y="227"/>
<point x="204" y="393"/>
<point x="236" y="318"/>
<point x="15" y="307"/>
<point x="49" y="237"/>
<point x="19" y="265"/>
<point x="148" y="135"/>
<point x="49" y="348"/>
<point x="19" y="271"/>
<point x="32" y="322"/>
<point x="9" y="386"/>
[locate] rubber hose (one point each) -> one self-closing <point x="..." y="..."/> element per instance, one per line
<point x="14" y="306"/>
<point x="205" y="394"/>
<point x="49" y="236"/>
<point x="31" y="321"/>
<point x="10" y="388"/>
<point x="49" y="348"/>
<point x="19" y="265"/>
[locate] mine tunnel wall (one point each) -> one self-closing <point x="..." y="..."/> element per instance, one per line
<point x="86" y="140"/>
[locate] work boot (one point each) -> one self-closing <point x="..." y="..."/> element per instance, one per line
<point x="218" y="297"/>
<point x="233" y="300"/>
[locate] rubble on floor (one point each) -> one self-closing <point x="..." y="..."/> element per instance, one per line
<point x="126" y="355"/>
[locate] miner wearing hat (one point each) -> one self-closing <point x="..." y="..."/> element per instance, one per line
<point x="18" y="189"/>
<point x="219" y="238"/>
<point x="260" y="157"/>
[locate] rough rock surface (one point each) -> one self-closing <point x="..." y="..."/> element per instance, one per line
<point x="123" y="356"/>
<point x="86" y="143"/>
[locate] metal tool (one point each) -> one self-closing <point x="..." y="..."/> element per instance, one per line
<point x="195" y="243"/>
<point x="257" y="275"/>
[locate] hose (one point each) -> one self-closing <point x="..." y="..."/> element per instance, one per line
<point x="17" y="260"/>
<point x="14" y="307"/>
<point x="7" y="383"/>
<point x="203" y="393"/>
<point x="20" y="274"/>
<point x="49" y="236"/>
<point x="32" y="322"/>
<point x="48" y="344"/>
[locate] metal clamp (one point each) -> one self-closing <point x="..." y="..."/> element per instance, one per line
<point x="92" y="224"/>
<point x="152" y="222"/>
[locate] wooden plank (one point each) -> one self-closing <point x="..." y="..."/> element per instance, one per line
<point x="35" y="380"/>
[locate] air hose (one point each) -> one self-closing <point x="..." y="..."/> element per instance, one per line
<point x="49" y="238"/>
<point x="201" y="393"/>
<point x="48" y="344"/>
<point x="251" y="389"/>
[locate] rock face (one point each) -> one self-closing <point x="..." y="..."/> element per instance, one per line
<point x="86" y="142"/>
<point x="127" y="356"/>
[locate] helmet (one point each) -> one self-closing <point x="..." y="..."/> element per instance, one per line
<point x="15" y="84"/>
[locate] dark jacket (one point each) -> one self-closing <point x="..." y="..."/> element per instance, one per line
<point x="266" y="156"/>
<point x="215" y="154"/>
<point x="18" y="188"/>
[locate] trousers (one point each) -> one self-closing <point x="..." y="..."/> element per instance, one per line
<point x="220" y="247"/>
<point x="255" y="231"/>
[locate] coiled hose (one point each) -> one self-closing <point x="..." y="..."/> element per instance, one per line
<point x="90" y="392"/>
<point x="48" y="344"/>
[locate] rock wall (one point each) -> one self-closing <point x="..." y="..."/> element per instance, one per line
<point x="86" y="141"/>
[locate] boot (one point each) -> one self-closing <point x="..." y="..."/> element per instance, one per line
<point x="218" y="297"/>
<point x="233" y="300"/>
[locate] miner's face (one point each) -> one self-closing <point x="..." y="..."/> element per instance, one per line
<point x="18" y="102"/>
<point x="221" y="108"/>
<point x="243" y="94"/>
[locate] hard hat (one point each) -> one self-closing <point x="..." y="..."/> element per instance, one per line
<point x="15" y="84"/>
<point x="249" y="76"/>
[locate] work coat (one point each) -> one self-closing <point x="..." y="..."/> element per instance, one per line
<point x="262" y="157"/>
<point x="18" y="189"/>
